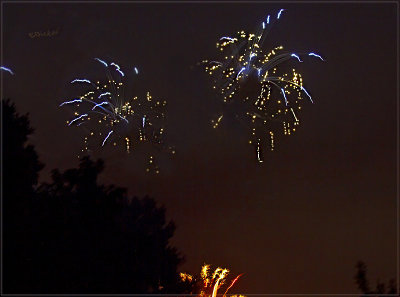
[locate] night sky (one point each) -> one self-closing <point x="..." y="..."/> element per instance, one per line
<point x="299" y="222"/>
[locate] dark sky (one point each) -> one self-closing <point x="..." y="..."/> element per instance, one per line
<point x="323" y="200"/>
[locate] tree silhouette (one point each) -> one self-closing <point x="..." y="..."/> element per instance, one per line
<point x="363" y="283"/>
<point x="20" y="160"/>
<point x="20" y="170"/>
<point x="76" y="236"/>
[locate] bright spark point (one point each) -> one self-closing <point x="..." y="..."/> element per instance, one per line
<point x="297" y="57"/>
<point x="105" y="139"/>
<point x="284" y="95"/>
<point x="104" y="94"/>
<point x="81" y="80"/>
<point x="101" y="61"/>
<point x="115" y="65"/>
<point x="259" y="153"/>
<point x="268" y="19"/>
<point x="143" y="121"/>
<point x="294" y="114"/>
<point x="241" y="70"/>
<point x="117" y="68"/>
<point x="279" y="13"/>
<point x="136" y="70"/>
<point x="315" y="55"/>
<point x="100" y="104"/>
<point x="305" y="91"/>
<point x="228" y="38"/>
<point x="84" y="115"/>
<point x="72" y="101"/>
<point x="122" y="118"/>
<point x="7" y="69"/>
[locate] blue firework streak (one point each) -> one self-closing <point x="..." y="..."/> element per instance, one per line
<point x="266" y="82"/>
<point x="6" y="69"/>
<point x="114" y="118"/>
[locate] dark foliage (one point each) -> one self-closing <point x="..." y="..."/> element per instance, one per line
<point x="20" y="160"/>
<point x="363" y="283"/>
<point x="73" y="235"/>
<point x="20" y="170"/>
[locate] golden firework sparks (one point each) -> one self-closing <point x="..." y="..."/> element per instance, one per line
<point x="270" y="92"/>
<point x="212" y="282"/>
<point x="111" y="117"/>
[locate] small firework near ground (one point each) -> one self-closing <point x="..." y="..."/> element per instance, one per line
<point x="270" y="89"/>
<point x="212" y="284"/>
<point x="113" y="118"/>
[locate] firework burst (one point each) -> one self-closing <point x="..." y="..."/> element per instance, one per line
<point x="272" y="92"/>
<point x="112" y="117"/>
<point x="211" y="282"/>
